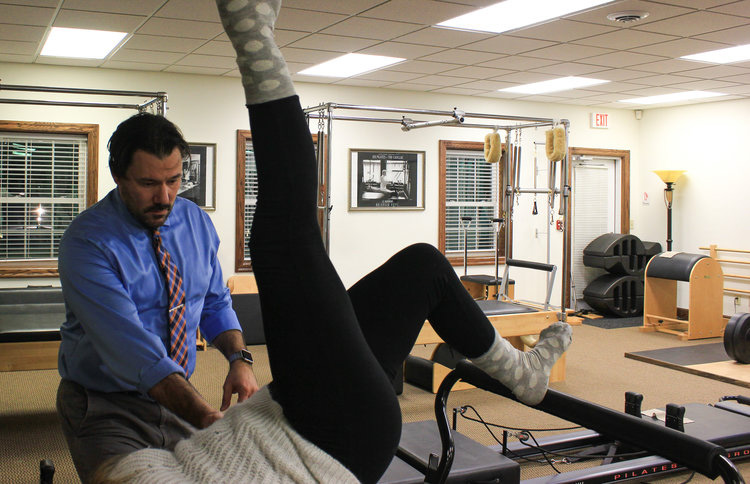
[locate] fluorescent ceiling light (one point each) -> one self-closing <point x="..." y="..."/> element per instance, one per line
<point x="676" y="96"/>
<point x="514" y="14"/>
<point x="561" y="84"/>
<point x="722" y="56"/>
<point x="350" y="65"/>
<point x="81" y="43"/>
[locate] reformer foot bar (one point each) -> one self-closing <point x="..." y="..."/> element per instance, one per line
<point x="693" y="453"/>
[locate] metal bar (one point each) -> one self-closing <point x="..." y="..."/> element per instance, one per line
<point x="463" y="125"/>
<point x="440" y="113"/>
<point x="69" y="103"/>
<point x="75" y="90"/>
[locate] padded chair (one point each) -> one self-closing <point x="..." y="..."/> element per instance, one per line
<point x="246" y="304"/>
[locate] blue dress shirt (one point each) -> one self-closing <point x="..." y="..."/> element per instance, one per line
<point x="116" y="335"/>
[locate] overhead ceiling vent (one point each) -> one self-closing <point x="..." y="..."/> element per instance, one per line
<point x="627" y="16"/>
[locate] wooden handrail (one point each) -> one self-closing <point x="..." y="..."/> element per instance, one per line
<point x="736" y="276"/>
<point x="714" y="248"/>
<point x="713" y="253"/>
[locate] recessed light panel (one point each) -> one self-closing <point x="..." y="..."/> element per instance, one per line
<point x="514" y="14"/>
<point x="553" y="85"/>
<point x="722" y="56"/>
<point x="350" y="65"/>
<point x="81" y="43"/>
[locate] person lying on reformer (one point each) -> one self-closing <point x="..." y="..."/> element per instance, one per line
<point x="330" y="414"/>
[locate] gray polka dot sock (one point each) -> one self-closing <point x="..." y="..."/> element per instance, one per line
<point x="249" y="25"/>
<point x="526" y="373"/>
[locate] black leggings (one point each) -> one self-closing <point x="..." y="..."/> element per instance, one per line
<point x="333" y="353"/>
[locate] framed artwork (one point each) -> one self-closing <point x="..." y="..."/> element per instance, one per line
<point x="386" y="180"/>
<point x="199" y="175"/>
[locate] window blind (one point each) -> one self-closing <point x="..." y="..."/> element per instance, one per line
<point x="471" y="191"/>
<point x="251" y="193"/>
<point x="42" y="188"/>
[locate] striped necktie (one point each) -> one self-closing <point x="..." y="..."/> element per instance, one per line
<point x="178" y="349"/>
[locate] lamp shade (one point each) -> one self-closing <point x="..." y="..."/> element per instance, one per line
<point x="669" y="176"/>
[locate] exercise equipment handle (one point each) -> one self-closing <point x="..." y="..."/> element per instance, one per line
<point x="703" y="456"/>
<point x="540" y="266"/>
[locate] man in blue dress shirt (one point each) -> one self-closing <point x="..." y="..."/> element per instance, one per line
<point x="120" y="389"/>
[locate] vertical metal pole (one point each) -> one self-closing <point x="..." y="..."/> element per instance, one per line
<point x="565" y="211"/>
<point x="327" y="218"/>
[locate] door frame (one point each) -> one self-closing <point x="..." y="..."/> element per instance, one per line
<point x="624" y="156"/>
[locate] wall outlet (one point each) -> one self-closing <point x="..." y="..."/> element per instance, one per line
<point x="736" y="300"/>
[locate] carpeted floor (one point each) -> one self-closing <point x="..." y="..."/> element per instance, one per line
<point x="597" y="371"/>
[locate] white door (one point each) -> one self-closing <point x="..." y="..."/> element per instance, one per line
<point x="596" y="210"/>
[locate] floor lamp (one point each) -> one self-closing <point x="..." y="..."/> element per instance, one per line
<point x="669" y="177"/>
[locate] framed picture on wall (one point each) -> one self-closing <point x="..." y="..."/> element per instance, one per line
<point x="199" y="175"/>
<point x="386" y="180"/>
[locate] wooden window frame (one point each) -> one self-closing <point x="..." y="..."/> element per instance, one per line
<point x="48" y="267"/>
<point x="476" y="260"/>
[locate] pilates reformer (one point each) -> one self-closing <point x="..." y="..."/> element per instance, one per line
<point x="703" y="438"/>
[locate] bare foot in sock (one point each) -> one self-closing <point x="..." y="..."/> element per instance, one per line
<point x="526" y="373"/>
<point x="249" y="25"/>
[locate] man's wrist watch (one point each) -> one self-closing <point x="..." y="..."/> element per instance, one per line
<point x="243" y="355"/>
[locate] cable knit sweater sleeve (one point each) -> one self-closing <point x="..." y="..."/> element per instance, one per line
<point x="253" y="443"/>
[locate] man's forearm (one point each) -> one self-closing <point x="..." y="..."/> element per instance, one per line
<point x="229" y="342"/>
<point x="178" y="395"/>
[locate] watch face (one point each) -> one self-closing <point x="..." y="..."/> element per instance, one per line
<point x="247" y="356"/>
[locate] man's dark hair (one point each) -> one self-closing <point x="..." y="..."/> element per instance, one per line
<point x="144" y="131"/>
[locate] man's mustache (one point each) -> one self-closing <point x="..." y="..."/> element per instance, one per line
<point x="158" y="208"/>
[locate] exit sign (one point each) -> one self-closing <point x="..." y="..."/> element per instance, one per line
<point x="600" y="120"/>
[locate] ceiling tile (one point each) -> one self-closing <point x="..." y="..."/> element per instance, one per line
<point x="517" y="63"/>
<point x="734" y="36"/>
<point x="348" y="7"/>
<point x="662" y="80"/>
<point x="140" y="66"/>
<point x="668" y="66"/>
<point x="17" y="14"/>
<point x="569" y="69"/>
<point x="568" y="52"/>
<point x="622" y="59"/>
<point x="399" y="49"/>
<point x="563" y="30"/>
<point x="150" y="56"/>
<point x="423" y="67"/>
<point x="507" y="44"/>
<point x="371" y="28"/>
<point x="25" y="33"/>
<point x="539" y="98"/>
<point x="334" y="43"/>
<point x="207" y="71"/>
<point x="742" y="78"/>
<point x="359" y="82"/>
<point x="282" y="37"/>
<point x="656" y="11"/>
<point x="181" y="28"/>
<point x="525" y="77"/>
<point x="389" y="76"/>
<point x="426" y="12"/>
<point x="744" y="89"/>
<point x="19" y="58"/>
<point x="715" y="72"/>
<point x="707" y="85"/>
<point x="474" y="72"/>
<point x="621" y="74"/>
<point x="488" y="85"/>
<point x="651" y="91"/>
<point x="442" y="37"/>
<point x="440" y="80"/>
<point x="615" y="87"/>
<point x="406" y="86"/>
<point x="64" y="61"/>
<point x="458" y="56"/>
<point x="141" y="7"/>
<point x="306" y="20"/>
<point x="162" y="43"/>
<point x="307" y="56"/>
<point x="314" y="79"/>
<point x="461" y="91"/>
<point x="215" y="47"/>
<point x="198" y="60"/>
<point x="203" y="10"/>
<point x="77" y="19"/>
<point x="741" y="9"/>
<point x="16" y="47"/>
<point x="699" y="4"/>
<point x="678" y="48"/>
<point x="624" y="39"/>
<point x="693" y="24"/>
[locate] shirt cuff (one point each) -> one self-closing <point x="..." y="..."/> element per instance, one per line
<point x="153" y="375"/>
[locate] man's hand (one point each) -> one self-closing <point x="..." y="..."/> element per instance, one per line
<point x="240" y="380"/>
<point x="178" y="395"/>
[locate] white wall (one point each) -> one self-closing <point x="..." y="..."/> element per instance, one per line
<point x="711" y="199"/>
<point x="211" y="109"/>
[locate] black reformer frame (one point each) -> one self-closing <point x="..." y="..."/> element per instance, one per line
<point x="691" y="452"/>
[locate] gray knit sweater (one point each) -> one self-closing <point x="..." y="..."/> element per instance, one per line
<point x="253" y="443"/>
